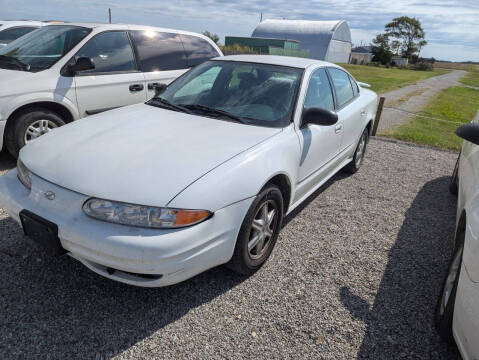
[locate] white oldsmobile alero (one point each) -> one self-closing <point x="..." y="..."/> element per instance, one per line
<point x="201" y="175"/>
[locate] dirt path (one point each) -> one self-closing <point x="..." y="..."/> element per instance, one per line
<point x="414" y="98"/>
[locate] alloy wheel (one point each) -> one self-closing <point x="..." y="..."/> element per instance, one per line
<point x="450" y="282"/>
<point x="262" y="229"/>
<point x="38" y="128"/>
<point x="360" y="151"/>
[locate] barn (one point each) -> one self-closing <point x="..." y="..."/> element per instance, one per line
<point x="325" y="40"/>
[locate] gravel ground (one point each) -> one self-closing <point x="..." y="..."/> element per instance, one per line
<point x="414" y="98"/>
<point x="355" y="274"/>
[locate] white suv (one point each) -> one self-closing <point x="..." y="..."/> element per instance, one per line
<point x="64" y="72"/>
<point x="12" y="30"/>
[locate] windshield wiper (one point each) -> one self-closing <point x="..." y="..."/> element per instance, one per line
<point x="16" y="62"/>
<point x="212" y="111"/>
<point x="159" y="101"/>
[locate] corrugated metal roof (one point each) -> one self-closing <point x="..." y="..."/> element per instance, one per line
<point x="315" y="36"/>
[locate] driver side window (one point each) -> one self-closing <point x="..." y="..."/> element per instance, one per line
<point x="110" y="52"/>
<point x="319" y="91"/>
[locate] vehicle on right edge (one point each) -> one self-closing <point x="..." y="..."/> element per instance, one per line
<point x="457" y="313"/>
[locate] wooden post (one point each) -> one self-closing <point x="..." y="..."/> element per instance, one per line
<point x="378" y="115"/>
<point x="109" y="15"/>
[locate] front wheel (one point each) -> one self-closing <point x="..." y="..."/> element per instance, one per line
<point x="358" y="157"/>
<point x="259" y="232"/>
<point x="30" y="125"/>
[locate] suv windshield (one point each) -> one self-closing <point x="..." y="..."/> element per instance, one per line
<point x="256" y="94"/>
<point x="41" y="48"/>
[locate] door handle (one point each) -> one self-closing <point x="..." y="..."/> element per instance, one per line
<point x="338" y="128"/>
<point x="136" y="87"/>
<point x="153" y="86"/>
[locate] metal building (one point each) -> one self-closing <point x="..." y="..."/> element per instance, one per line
<point x="325" y="40"/>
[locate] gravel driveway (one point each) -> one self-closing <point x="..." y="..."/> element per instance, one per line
<point x="355" y="274"/>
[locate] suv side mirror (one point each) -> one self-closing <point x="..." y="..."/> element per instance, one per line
<point x="469" y="132"/>
<point x="318" y="116"/>
<point x="81" y="64"/>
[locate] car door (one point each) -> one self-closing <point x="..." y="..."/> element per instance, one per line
<point x="348" y="109"/>
<point x="161" y="57"/>
<point x="115" y="81"/>
<point x="319" y="144"/>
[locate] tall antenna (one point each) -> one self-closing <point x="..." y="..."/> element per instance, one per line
<point x="109" y="15"/>
<point x="261" y="18"/>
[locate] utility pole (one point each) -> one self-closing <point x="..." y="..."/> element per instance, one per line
<point x="109" y="15"/>
<point x="261" y="18"/>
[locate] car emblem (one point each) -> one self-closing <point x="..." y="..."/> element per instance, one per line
<point x="50" y="195"/>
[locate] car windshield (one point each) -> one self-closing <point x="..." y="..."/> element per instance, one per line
<point x="250" y="93"/>
<point x="41" y="48"/>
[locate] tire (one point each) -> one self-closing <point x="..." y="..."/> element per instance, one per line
<point x="359" y="153"/>
<point x="454" y="183"/>
<point x="445" y="306"/>
<point x="248" y="260"/>
<point x="43" y="120"/>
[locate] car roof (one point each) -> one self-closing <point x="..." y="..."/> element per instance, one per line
<point x="290" y="61"/>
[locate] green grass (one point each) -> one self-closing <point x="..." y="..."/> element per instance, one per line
<point x="472" y="76"/>
<point x="384" y="79"/>
<point x="458" y="104"/>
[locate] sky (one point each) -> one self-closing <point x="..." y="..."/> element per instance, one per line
<point x="452" y="27"/>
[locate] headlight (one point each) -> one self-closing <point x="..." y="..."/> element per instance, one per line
<point x="24" y="175"/>
<point x="143" y="216"/>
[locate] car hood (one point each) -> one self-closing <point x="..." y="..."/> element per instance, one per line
<point x="138" y="154"/>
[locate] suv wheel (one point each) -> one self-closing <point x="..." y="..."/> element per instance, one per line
<point x="30" y="125"/>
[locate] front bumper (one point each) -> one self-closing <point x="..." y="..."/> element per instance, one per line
<point x="466" y="316"/>
<point x="121" y="252"/>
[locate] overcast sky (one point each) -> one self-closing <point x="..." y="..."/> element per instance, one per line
<point x="452" y="27"/>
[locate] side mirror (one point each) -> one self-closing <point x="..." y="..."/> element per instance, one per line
<point x="318" y="116"/>
<point x="81" y="64"/>
<point x="159" y="88"/>
<point x="469" y="132"/>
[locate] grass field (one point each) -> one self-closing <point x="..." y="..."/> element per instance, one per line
<point x="457" y="104"/>
<point x="472" y="76"/>
<point x="383" y="79"/>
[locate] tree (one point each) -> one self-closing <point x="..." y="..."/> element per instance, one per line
<point x="406" y="35"/>
<point x="381" y="49"/>
<point x="213" y="37"/>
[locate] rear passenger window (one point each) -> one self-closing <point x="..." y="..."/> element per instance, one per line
<point x="110" y="52"/>
<point x="198" y="50"/>
<point x="355" y="86"/>
<point x="342" y="85"/>
<point x="159" y="51"/>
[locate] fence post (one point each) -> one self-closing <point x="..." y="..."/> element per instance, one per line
<point x="378" y="115"/>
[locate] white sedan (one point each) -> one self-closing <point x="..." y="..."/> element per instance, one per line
<point x="201" y="175"/>
<point x="457" y="313"/>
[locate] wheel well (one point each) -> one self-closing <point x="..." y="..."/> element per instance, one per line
<point x="61" y="110"/>
<point x="369" y="126"/>
<point x="461" y="227"/>
<point x="284" y="185"/>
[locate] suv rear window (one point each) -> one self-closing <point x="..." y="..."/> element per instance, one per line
<point x="159" y="51"/>
<point x="198" y="50"/>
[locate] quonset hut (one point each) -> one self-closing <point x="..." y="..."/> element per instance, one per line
<point x="325" y="40"/>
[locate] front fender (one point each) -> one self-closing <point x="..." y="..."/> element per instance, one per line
<point x="244" y="175"/>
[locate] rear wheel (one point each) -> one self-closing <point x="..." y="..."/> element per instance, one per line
<point x="259" y="231"/>
<point x="445" y="306"/>
<point x="30" y="125"/>
<point x="358" y="158"/>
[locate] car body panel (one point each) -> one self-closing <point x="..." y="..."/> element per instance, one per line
<point x="103" y="156"/>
